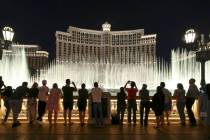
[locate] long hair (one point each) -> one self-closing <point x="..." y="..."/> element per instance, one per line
<point x="180" y="86"/>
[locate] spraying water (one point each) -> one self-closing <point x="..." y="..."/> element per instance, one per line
<point x="183" y="66"/>
<point x="14" y="67"/>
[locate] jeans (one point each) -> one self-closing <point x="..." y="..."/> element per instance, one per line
<point x="97" y="111"/>
<point x="32" y="106"/>
<point x="132" y="106"/>
<point x="121" y="111"/>
<point x="8" y="109"/>
<point x="16" y="106"/>
<point x="144" y="109"/>
<point x="180" y="108"/>
<point x="41" y="109"/>
<point x="189" y="104"/>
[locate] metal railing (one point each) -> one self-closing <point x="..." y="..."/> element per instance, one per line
<point x="75" y="113"/>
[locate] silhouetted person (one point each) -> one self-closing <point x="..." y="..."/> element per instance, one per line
<point x="68" y="100"/>
<point x="121" y="104"/>
<point x="131" y="100"/>
<point x="32" y="102"/>
<point x="42" y="96"/>
<point x="144" y="104"/>
<point x="53" y="104"/>
<point x="1" y="83"/>
<point x="204" y="105"/>
<point x="207" y="91"/>
<point x="179" y="94"/>
<point x="82" y="103"/>
<point x="96" y="94"/>
<point x="192" y="94"/>
<point x="6" y="97"/>
<point x="1" y="87"/>
<point x="158" y="101"/>
<point x="16" y="100"/>
<point x="168" y="103"/>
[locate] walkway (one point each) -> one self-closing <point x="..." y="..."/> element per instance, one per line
<point x="111" y="132"/>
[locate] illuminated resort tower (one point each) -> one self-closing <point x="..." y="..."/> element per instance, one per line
<point x="106" y="46"/>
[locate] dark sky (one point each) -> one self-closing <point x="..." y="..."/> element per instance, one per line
<point x="36" y="21"/>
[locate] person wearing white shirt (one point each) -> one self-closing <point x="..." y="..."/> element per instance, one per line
<point x="96" y="93"/>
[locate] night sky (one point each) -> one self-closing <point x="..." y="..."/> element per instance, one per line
<point x="35" y="22"/>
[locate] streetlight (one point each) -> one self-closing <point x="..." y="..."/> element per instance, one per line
<point x="8" y="35"/>
<point x="202" y="50"/>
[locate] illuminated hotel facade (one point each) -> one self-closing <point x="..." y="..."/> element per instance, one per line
<point x="106" y="46"/>
<point x="36" y="58"/>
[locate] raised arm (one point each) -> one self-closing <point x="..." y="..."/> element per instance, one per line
<point x="74" y="86"/>
<point x="4" y="86"/>
<point x="135" y="86"/>
<point x="126" y="84"/>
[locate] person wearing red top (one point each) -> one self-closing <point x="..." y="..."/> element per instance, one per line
<point x="131" y="100"/>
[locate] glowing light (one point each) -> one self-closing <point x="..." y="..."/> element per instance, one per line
<point x="106" y="26"/>
<point x="8" y="33"/>
<point x="190" y="36"/>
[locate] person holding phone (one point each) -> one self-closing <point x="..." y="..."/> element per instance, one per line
<point x="131" y="100"/>
<point x="68" y="100"/>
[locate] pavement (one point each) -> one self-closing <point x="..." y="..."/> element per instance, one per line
<point x="109" y="132"/>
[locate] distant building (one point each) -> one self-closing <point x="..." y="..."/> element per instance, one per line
<point x="35" y="57"/>
<point x="131" y="46"/>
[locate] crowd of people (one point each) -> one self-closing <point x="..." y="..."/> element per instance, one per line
<point x="49" y="99"/>
<point x="161" y="103"/>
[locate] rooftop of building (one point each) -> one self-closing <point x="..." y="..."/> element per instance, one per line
<point x="106" y="28"/>
<point x="26" y="46"/>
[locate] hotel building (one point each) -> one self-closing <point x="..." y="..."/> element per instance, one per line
<point x="36" y="58"/>
<point x="106" y="46"/>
